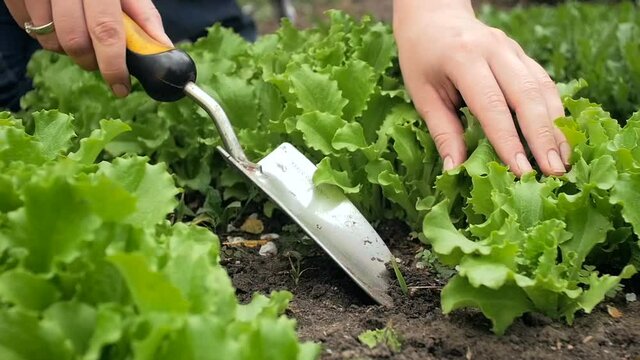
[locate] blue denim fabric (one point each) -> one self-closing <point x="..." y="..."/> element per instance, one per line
<point x="188" y="19"/>
<point x="16" y="47"/>
<point x="183" y="20"/>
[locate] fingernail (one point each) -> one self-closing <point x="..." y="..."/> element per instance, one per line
<point x="523" y="163"/>
<point x="168" y="41"/>
<point x="448" y="163"/>
<point x="565" y="153"/>
<point x="120" y="90"/>
<point x="555" y="162"/>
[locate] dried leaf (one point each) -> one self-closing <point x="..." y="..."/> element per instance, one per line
<point x="238" y="241"/>
<point x="252" y="226"/>
<point x="614" y="312"/>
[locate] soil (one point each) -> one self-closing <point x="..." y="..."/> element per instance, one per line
<point x="332" y="310"/>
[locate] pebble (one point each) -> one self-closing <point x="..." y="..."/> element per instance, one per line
<point x="270" y="236"/>
<point x="631" y="297"/>
<point x="268" y="249"/>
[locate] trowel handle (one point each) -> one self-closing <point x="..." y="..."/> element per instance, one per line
<point x="168" y="74"/>
<point x="163" y="71"/>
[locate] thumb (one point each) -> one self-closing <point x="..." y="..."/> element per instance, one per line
<point x="145" y="14"/>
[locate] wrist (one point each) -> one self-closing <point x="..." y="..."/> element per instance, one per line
<point x="404" y="9"/>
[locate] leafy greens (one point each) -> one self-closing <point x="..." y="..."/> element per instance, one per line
<point x="90" y="268"/>
<point x="553" y="245"/>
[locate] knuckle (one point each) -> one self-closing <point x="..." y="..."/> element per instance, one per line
<point x="77" y="44"/>
<point x="89" y="66"/>
<point x="546" y="133"/>
<point x="514" y="44"/>
<point x="530" y="90"/>
<point x="113" y="71"/>
<point x="508" y="139"/>
<point x="499" y="37"/>
<point x="106" y="32"/>
<point x="464" y="43"/>
<point x="51" y="45"/>
<point x="495" y="101"/>
<point x="547" y="84"/>
<point x="444" y="140"/>
<point x="498" y="34"/>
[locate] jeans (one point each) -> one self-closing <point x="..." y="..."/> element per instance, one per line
<point x="16" y="48"/>
<point x="182" y="19"/>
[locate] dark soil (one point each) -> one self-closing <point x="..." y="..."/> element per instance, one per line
<point x="332" y="310"/>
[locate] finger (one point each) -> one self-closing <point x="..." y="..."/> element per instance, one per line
<point x="40" y="14"/>
<point x="145" y="14"/>
<point x="18" y="11"/>
<point x="524" y="95"/>
<point x="71" y="27"/>
<point x="481" y="92"/>
<point x="555" y="109"/>
<point x="106" y="29"/>
<point x="444" y="126"/>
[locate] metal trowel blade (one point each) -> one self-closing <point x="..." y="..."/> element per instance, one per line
<point x="326" y="215"/>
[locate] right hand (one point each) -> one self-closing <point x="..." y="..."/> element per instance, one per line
<point x="91" y="32"/>
<point x="447" y="55"/>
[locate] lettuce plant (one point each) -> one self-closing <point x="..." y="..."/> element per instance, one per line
<point x="90" y="268"/>
<point x="333" y="91"/>
<point x="545" y="244"/>
<point x="552" y="245"/>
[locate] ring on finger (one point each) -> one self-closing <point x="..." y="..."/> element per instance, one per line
<point x="39" y="30"/>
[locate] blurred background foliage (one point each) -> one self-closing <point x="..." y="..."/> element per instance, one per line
<point x="309" y="12"/>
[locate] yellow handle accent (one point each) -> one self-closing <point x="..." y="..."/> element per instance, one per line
<point x="139" y="41"/>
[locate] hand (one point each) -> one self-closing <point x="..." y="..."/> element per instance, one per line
<point x="447" y="55"/>
<point x="91" y="32"/>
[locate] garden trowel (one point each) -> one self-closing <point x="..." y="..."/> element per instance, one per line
<point x="285" y="174"/>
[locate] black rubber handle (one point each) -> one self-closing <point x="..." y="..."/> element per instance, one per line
<point x="163" y="71"/>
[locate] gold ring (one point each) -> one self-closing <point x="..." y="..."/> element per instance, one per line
<point x="39" y="30"/>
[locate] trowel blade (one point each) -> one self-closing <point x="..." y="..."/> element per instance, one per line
<point x="326" y="215"/>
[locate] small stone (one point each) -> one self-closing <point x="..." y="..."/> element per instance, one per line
<point x="631" y="297"/>
<point x="270" y="237"/>
<point x="268" y="249"/>
<point x="419" y="265"/>
<point x="587" y="339"/>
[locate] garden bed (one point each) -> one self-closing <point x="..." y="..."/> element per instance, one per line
<point x="332" y="310"/>
<point x="537" y="245"/>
